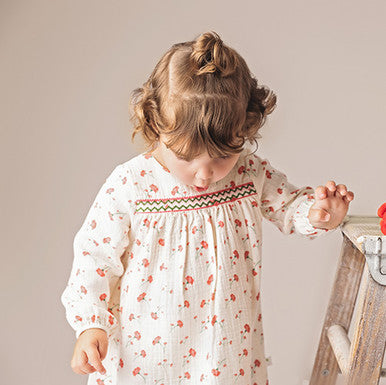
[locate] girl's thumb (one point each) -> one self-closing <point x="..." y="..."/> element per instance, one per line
<point x="102" y="347"/>
<point x="325" y="216"/>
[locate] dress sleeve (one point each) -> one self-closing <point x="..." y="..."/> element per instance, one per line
<point x="284" y="204"/>
<point x="97" y="266"/>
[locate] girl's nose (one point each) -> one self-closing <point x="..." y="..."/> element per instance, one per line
<point x="204" y="174"/>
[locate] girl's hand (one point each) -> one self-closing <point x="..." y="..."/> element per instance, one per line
<point x="90" y="349"/>
<point x="330" y="206"/>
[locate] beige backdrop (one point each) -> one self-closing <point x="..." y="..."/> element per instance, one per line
<point x="66" y="71"/>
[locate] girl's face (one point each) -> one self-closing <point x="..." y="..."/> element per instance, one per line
<point x="199" y="172"/>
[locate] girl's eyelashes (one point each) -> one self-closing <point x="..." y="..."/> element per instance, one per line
<point x="187" y="160"/>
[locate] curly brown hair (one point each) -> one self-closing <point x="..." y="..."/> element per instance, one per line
<point x="201" y="95"/>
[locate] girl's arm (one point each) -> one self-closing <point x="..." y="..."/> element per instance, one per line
<point x="284" y="204"/>
<point x="97" y="266"/>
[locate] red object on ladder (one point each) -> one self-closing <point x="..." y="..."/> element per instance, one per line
<point x="382" y="214"/>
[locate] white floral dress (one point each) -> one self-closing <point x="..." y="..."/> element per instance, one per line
<point x="173" y="275"/>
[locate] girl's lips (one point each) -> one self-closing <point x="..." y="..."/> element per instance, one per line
<point x="201" y="188"/>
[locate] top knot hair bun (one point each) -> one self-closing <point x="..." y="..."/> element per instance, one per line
<point x="211" y="55"/>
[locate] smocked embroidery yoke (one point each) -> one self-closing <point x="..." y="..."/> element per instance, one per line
<point x="173" y="275"/>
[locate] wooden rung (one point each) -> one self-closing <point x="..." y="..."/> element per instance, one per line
<point x="340" y="344"/>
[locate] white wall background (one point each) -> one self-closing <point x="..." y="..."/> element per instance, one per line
<point x="66" y="71"/>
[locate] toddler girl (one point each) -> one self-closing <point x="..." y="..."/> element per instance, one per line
<point x="165" y="282"/>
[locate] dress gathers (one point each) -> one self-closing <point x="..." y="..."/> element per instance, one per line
<point x="173" y="275"/>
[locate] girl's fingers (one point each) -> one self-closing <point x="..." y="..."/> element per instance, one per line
<point x="320" y="192"/>
<point x="342" y="189"/>
<point x="348" y="197"/>
<point x="94" y="359"/>
<point x="330" y="188"/>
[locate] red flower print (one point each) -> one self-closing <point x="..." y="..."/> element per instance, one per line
<point x="192" y="352"/>
<point x="78" y="318"/>
<point x="233" y="184"/>
<point x="189" y="279"/>
<point x="175" y="190"/>
<point x="136" y="371"/>
<point x="221" y="223"/>
<point x="236" y="277"/>
<point x="257" y="363"/>
<point x="268" y="174"/>
<point x="121" y="362"/>
<point x="241" y="372"/>
<point x="143" y="353"/>
<point x="138" y="242"/>
<point x="93" y="318"/>
<point x="154" y="187"/>
<point x="111" y="320"/>
<point x="241" y="169"/>
<point x="233" y="297"/>
<point x="279" y="190"/>
<point x="137" y="335"/>
<point x="150" y="279"/>
<point x="258" y="296"/>
<point x="180" y="323"/>
<point x="194" y="230"/>
<point x="213" y="320"/>
<point x="245" y="352"/>
<point x="83" y="289"/>
<point x="202" y="303"/>
<point x="146" y="222"/>
<point x="251" y="162"/>
<point x="100" y="382"/>
<point x="161" y="242"/>
<point x="254" y="204"/>
<point x="100" y="272"/>
<point x="141" y="297"/>
<point x="238" y="223"/>
<point x="142" y="173"/>
<point x="210" y="279"/>
<point x="215" y="372"/>
<point x="186" y="303"/>
<point x="93" y="224"/>
<point x="102" y="297"/>
<point x="107" y="240"/>
<point x="156" y="340"/>
<point x="145" y="262"/>
<point x="109" y="190"/>
<point x="247" y="328"/>
<point x="154" y="315"/>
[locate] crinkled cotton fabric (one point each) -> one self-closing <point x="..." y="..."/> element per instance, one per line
<point x="173" y="276"/>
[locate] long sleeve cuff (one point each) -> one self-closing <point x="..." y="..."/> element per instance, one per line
<point x="302" y="224"/>
<point x="82" y="316"/>
<point x="100" y="319"/>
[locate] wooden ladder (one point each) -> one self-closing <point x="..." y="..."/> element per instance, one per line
<point x="362" y="264"/>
